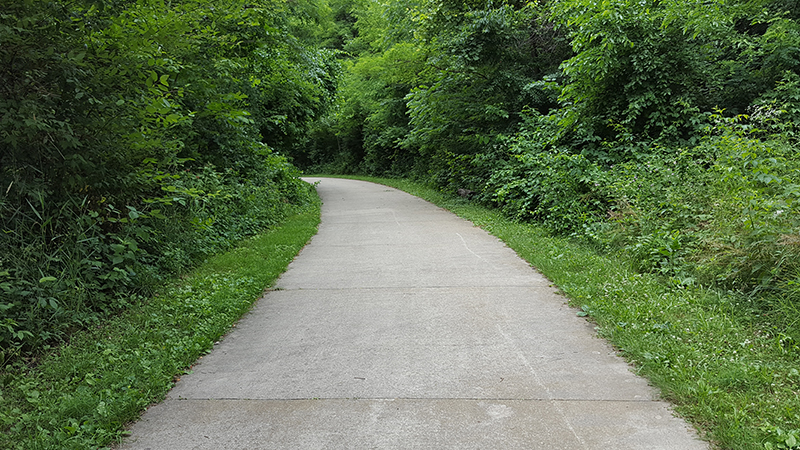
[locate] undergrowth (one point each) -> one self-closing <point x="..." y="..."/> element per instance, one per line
<point x="82" y="395"/>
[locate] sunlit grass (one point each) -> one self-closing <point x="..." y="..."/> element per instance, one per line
<point x="727" y="367"/>
<point x="82" y="396"/>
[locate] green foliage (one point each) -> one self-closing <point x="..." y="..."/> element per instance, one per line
<point x="756" y="213"/>
<point x="362" y="132"/>
<point x="647" y="71"/>
<point x="546" y="184"/>
<point x="376" y="106"/>
<point x="602" y="120"/>
<point x="488" y="72"/>
<point x="782" y="439"/>
<point x="723" y="212"/>
<point x="137" y="139"/>
<point x="433" y="84"/>
<point x="634" y="71"/>
<point x="83" y="395"/>
<point x="665" y="130"/>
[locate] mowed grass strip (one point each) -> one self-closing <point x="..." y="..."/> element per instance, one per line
<point x="83" y="395"/>
<point x="727" y="366"/>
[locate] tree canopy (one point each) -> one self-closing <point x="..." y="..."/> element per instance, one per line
<point x="139" y="136"/>
<point x="665" y="128"/>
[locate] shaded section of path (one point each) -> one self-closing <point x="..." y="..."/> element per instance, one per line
<point x="401" y="326"/>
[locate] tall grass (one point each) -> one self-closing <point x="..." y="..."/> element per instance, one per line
<point x="82" y="395"/>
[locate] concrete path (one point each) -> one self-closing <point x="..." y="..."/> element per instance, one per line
<point x="401" y="326"/>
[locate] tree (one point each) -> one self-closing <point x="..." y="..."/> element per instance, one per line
<point x="137" y="137"/>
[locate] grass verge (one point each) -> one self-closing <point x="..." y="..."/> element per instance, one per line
<point x="727" y="367"/>
<point x="83" y="395"/>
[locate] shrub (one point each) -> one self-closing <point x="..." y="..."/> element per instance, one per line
<point x="135" y="142"/>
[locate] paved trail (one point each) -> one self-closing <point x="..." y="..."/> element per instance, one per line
<point x="401" y="326"/>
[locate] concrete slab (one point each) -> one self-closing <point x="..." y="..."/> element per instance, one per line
<point x="413" y="343"/>
<point x="413" y="424"/>
<point x="402" y="326"/>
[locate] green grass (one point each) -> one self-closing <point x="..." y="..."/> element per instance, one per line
<point x="727" y="366"/>
<point x="82" y="395"/>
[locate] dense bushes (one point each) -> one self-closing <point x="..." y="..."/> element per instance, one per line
<point x="138" y="137"/>
<point x="664" y="130"/>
